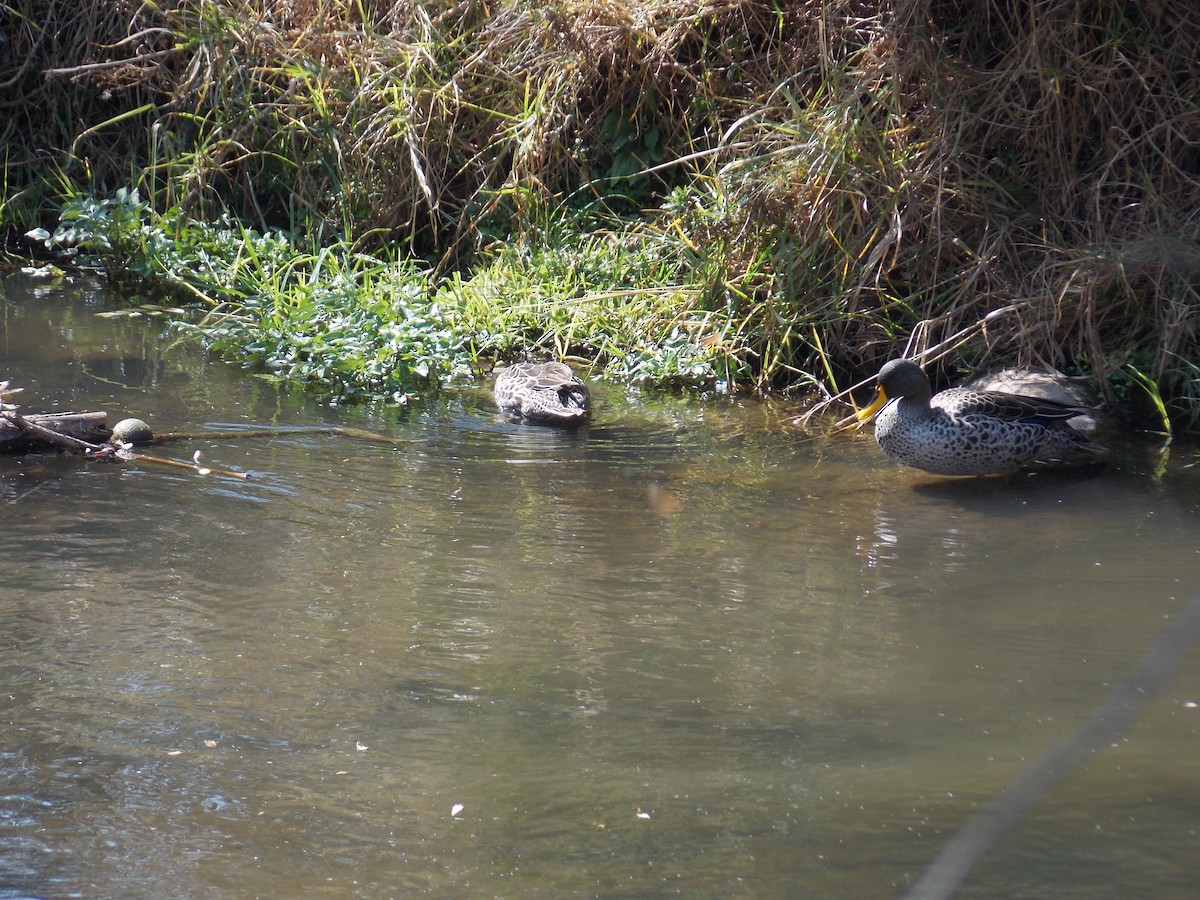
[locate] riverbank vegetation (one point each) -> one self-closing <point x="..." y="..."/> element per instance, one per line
<point x="377" y="196"/>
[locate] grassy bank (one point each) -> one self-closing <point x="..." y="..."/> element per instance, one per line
<point x="376" y="197"/>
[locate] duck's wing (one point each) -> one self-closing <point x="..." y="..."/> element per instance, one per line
<point x="1005" y="406"/>
<point x="542" y="393"/>
<point x="551" y="376"/>
<point x="512" y="378"/>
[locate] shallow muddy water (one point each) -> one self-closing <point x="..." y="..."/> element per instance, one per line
<point x="688" y="651"/>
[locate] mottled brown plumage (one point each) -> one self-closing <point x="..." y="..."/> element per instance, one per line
<point x="542" y="394"/>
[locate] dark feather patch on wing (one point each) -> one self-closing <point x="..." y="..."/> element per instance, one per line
<point x="1014" y="407"/>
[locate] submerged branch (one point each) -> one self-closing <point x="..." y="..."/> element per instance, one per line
<point x="49" y="435"/>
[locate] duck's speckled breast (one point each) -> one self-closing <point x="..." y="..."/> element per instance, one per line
<point x="949" y="444"/>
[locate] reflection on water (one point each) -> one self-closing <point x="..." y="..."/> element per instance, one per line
<point x="684" y="651"/>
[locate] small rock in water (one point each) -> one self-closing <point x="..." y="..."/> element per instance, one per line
<point x="131" y="431"/>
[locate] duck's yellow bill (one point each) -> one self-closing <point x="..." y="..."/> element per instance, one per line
<point x="866" y="415"/>
<point x="863" y="415"/>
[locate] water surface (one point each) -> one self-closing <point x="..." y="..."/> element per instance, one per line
<point x="688" y="651"/>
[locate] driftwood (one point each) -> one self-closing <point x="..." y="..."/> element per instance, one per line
<point x="33" y="429"/>
<point x="91" y="430"/>
<point x="88" y="434"/>
<point x="88" y="427"/>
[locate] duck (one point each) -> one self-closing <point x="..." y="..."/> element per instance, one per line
<point x="965" y="431"/>
<point x="546" y="393"/>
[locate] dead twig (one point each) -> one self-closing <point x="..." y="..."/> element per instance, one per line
<point x="195" y="466"/>
<point x="929" y="355"/>
<point x="46" y="434"/>
<point x="109" y="64"/>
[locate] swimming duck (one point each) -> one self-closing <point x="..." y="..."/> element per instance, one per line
<point x="542" y="394"/>
<point x="971" y="432"/>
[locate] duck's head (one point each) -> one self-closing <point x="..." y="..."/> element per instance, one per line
<point x="898" y="378"/>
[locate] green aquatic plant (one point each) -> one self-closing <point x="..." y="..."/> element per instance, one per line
<point x="360" y="336"/>
<point x="1151" y="389"/>
<point x="348" y="323"/>
<point x="112" y="233"/>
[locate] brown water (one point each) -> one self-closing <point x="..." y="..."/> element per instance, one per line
<point x="686" y="652"/>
